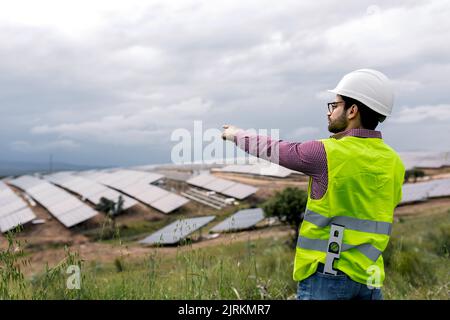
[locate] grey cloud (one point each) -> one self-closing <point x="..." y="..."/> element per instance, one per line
<point x="255" y="63"/>
<point x="420" y="113"/>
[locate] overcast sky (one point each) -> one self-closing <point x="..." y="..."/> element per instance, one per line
<point x="106" y="82"/>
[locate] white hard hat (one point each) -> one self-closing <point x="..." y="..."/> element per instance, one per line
<point x="370" y="87"/>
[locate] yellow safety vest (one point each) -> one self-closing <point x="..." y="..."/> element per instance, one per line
<point x="365" y="178"/>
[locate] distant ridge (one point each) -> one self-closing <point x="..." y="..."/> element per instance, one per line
<point x="12" y="168"/>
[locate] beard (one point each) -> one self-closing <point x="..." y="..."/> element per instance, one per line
<point x="339" y="124"/>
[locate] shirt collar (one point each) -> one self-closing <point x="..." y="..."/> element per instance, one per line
<point x="358" y="132"/>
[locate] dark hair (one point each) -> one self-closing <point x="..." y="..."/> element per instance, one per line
<point x="369" y="118"/>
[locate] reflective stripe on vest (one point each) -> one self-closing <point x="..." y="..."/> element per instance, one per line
<point x="321" y="245"/>
<point x="362" y="225"/>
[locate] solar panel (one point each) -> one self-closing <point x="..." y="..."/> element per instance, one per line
<point x="39" y="188"/>
<point x="272" y="170"/>
<point x="5" y="200"/>
<point x="12" y="206"/>
<point x="150" y="194"/>
<point x="13" y="209"/>
<point x="74" y="216"/>
<point x="65" y="206"/>
<point x="169" y="203"/>
<point x="113" y="196"/>
<point x="91" y="190"/>
<point x="123" y="178"/>
<point x="62" y="205"/>
<point x="201" y="180"/>
<point x="259" y="168"/>
<point x="441" y="188"/>
<point x="240" y="191"/>
<point x="177" y="231"/>
<point x="25" y="182"/>
<point x="79" y="184"/>
<point x="425" y="159"/>
<point x="97" y="176"/>
<point x="139" y="188"/>
<point x="12" y="220"/>
<point x="136" y="185"/>
<point x="241" y="220"/>
<point x="52" y="199"/>
<point x="59" y="177"/>
<point x="412" y="192"/>
<point x="219" y="185"/>
<point x="226" y="187"/>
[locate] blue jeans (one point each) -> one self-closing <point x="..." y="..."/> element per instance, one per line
<point x="320" y="286"/>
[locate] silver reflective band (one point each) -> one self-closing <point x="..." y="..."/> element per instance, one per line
<point x="321" y="245"/>
<point x="362" y="225"/>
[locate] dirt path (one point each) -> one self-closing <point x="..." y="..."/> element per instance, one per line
<point x="429" y="207"/>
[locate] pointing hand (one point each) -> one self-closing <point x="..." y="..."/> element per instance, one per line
<point x="229" y="132"/>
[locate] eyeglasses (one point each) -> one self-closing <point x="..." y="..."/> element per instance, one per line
<point x="333" y="105"/>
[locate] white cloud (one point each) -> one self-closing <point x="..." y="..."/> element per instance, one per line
<point x="416" y="114"/>
<point x="406" y="86"/>
<point x="392" y="36"/>
<point x="325" y="96"/>
<point x="147" y="126"/>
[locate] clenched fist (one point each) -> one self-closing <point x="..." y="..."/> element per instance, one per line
<point x="229" y="132"/>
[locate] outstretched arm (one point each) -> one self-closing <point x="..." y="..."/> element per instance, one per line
<point x="307" y="157"/>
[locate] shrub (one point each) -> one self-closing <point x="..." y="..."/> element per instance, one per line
<point x="289" y="206"/>
<point x="440" y="241"/>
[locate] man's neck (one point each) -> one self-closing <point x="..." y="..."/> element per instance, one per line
<point x="354" y="125"/>
<point x="357" y="132"/>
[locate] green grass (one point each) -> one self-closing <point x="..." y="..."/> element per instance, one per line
<point x="214" y="273"/>
<point x="417" y="258"/>
<point x="246" y="270"/>
<point x="417" y="267"/>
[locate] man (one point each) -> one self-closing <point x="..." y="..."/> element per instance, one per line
<point x="355" y="184"/>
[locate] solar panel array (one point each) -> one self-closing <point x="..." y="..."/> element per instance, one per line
<point x="229" y="188"/>
<point x="176" y="231"/>
<point x="413" y="192"/>
<point x="89" y="189"/>
<point x="13" y="209"/>
<point x="425" y="159"/>
<point x="263" y="168"/>
<point x="241" y="220"/>
<point x="122" y="178"/>
<point x="441" y="188"/>
<point x="136" y="184"/>
<point x="65" y="207"/>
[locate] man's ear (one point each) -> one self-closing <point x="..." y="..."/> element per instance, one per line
<point x="353" y="111"/>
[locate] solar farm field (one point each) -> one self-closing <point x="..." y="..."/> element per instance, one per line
<point x="208" y="253"/>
